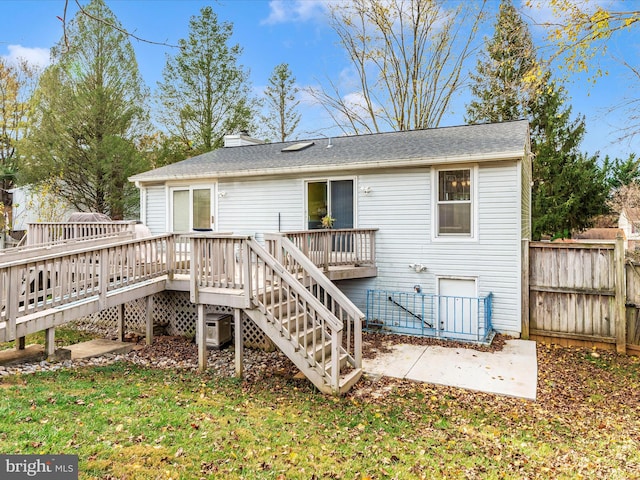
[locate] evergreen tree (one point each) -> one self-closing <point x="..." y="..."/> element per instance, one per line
<point x="89" y="107"/>
<point x="204" y="93"/>
<point x="282" y="119"/>
<point x="569" y="188"/>
<point x="623" y="171"/>
<point x="502" y="84"/>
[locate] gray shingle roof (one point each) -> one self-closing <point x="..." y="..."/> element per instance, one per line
<point x="484" y="141"/>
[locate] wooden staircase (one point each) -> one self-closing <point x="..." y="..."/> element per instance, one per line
<point x="288" y="297"/>
<point x="307" y="320"/>
<point x="307" y="343"/>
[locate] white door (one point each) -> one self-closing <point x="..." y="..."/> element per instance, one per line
<point x="192" y="208"/>
<point x="458" y="306"/>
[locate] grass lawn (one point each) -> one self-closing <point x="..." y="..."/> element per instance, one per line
<point x="64" y="336"/>
<point x="128" y="422"/>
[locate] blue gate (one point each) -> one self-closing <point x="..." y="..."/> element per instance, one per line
<point x="439" y="316"/>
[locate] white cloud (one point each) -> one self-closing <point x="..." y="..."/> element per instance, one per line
<point x="34" y="56"/>
<point x="357" y="103"/>
<point x="287" y="11"/>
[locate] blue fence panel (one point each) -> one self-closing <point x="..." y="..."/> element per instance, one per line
<point x="439" y="316"/>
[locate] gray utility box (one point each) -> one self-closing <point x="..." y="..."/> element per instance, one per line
<point x="217" y="329"/>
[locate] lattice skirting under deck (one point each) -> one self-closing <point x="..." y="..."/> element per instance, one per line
<point x="175" y="312"/>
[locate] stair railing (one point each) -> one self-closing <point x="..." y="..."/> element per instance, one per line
<point x="311" y="277"/>
<point x="282" y="297"/>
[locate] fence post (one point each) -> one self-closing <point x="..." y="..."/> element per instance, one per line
<point x="620" y="298"/>
<point x="525" y="289"/>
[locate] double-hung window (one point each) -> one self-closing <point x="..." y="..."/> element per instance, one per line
<point x="454" y="204"/>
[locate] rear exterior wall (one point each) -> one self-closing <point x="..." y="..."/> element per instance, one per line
<point x="399" y="203"/>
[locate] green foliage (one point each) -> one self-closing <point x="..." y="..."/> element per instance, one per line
<point x="623" y="171"/>
<point x="504" y="81"/>
<point x="282" y="118"/>
<point x="16" y="86"/>
<point x="204" y="93"/>
<point x="569" y="188"/>
<point x="89" y="107"/>
<point x="161" y="149"/>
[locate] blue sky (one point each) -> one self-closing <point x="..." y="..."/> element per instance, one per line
<point x="296" y="32"/>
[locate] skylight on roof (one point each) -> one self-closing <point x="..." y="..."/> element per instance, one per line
<point x="296" y="147"/>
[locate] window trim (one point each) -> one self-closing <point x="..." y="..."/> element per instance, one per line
<point x="305" y="186"/>
<point x="190" y="188"/>
<point x="472" y="236"/>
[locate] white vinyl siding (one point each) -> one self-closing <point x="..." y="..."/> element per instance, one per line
<point x="155" y="209"/>
<point x="259" y="206"/>
<point x="525" y="186"/>
<point x="399" y="205"/>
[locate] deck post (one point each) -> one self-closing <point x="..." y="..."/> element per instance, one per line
<point x="49" y="342"/>
<point x="525" y="290"/>
<point x="149" y="320"/>
<point x="120" y="325"/>
<point x="620" y="297"/>
<point x="239" y="341"/>
<point x="103" y="279"/>
<point x="201" y="340"/>
<point x="327" y="251"/>
<point x="12" y="303"/>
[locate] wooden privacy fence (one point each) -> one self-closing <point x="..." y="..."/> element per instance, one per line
<point x="583" y="293"/>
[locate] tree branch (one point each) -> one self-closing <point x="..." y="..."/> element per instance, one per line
<point x="63" y="19"/>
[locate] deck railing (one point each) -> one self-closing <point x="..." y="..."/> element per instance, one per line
<point x="36" y="283"/>
<point x="49" y="233"/>
<point x="334" y="248"/>
<point x="217" y="261"/>
<point x="441" y="316"/>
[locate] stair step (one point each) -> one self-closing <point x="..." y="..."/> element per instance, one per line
<point x="349" y="380"/>
<point x="316" y="352"/>
<point x="342" y="363"/>
<point x="308" y="336"/>
<point x="293" y="323"/>
<point x="272" y="295"/>
<point x="289" y="306"/>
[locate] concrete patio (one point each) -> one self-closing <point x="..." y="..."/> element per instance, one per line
<point x="513" y="371"/>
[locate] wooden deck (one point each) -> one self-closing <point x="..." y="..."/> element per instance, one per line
<point x="42" y="289"/>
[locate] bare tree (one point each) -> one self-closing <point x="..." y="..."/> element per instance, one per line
<point x="409" y="58"/>
<point x="581" y="33"/>
<point x="282" y="117"/>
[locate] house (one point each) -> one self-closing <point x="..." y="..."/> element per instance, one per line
<point x="599" y="234"/>
<point x="629" y="222"/>
<point x="451" y="207"/>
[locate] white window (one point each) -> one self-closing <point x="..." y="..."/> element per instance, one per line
<point x="191" y="208"/>
<point x="330" y="197"/>
<point x="454" y="203"/>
